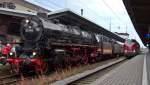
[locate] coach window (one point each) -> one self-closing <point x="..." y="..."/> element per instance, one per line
<point x="1" y="5"/>
<point x="4" y="4"/>
<point x="103" y="39"/>
<point x="11" y="5"/>
<point x="129" y="41"/>
<point x="7" y="5"/>
<point x="106" y="39"/>
<point x="100" y="37"/>
<point x="110" y="40"/>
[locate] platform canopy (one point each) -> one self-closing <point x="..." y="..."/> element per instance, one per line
<point x="15" y="13"/>
<point x="69" y="17"/>
<point x="139" y="12"/>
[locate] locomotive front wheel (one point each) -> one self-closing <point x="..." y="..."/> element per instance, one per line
<point x="15" y="68"/>
<point x="85" y="60"/>
<point x="93" y="60"/>
<point x="44" y="68"/>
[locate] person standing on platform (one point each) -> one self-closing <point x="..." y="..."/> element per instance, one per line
<point x="6" y="50"/>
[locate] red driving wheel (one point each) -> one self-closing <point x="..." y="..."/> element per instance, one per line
<point x="85" y="60"/>
<point x="44" y="67"/>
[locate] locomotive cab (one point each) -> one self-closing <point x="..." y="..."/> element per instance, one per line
<point x="131" y="47"/>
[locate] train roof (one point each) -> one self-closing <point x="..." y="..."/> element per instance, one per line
<point x="72" y="18"/>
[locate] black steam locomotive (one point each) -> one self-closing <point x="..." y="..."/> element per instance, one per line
<point x="50" y="43"/>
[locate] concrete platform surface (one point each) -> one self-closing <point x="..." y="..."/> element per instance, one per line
<point x="129" y="73"/>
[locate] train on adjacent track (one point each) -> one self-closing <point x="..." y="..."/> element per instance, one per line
<point x="48" y="44"/>
<point x="131" y="48"/>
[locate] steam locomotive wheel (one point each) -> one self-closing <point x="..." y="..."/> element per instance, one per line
<point x="93" y="60"/>
<point x="15" y="68"/>
<point x="85" y="60"/>
<point x="43" y="68"/>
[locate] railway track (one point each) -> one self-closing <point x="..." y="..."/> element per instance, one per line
<point x="87" y="78"/>
<point x="90" y="76"/>
<point x="13" y="79"/>
<point x="8" y="79"/>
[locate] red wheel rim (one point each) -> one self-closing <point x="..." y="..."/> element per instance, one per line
<point x="44" y="68"/>
<point x="85" y="60"/>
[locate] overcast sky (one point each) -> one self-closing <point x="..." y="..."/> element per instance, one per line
<point x="101" y="12"/>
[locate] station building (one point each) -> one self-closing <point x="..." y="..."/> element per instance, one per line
<point x="22" y="5"/>
<point x="10" y="23"/>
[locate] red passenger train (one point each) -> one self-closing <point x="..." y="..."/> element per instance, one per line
<point x="131" y="48"/>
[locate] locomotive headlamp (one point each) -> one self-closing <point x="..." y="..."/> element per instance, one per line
<point x="11" y="53"/>
<point x="27" y="21"/>
<point x="34" y="53"/>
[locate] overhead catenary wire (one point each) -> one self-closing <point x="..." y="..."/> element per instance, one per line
<point x="97" y="15"/>
<point x="52" y="5"/>
<point x="52" y="2"/>
<point x="43" y="4"/>
<point x="108" y="20"/>
<point x="110" y="8"/>
<point x="91" y="11"/>
<point x="86" y="6"/>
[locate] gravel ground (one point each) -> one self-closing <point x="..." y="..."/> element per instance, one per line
<point x="57" y="75"/>
<point x="4" y="69"/>
<point x="78" y="69"/>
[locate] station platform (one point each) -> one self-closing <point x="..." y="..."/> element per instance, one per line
<point x="135" y="71"/>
